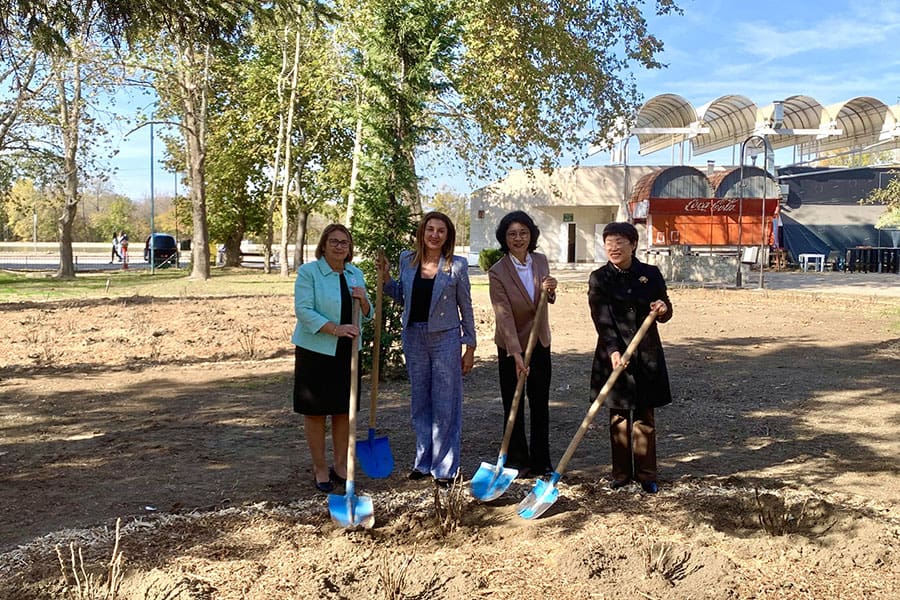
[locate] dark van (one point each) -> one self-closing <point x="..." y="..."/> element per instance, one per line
<point x="165" y="249"/>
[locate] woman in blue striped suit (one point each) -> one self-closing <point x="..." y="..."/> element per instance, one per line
<point x="438" y="321"/>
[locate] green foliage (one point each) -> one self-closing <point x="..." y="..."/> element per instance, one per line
<point x="455" y="206"/>
<point x="539" y="80"/>
<point x="889" y="195"/>
<point x="382" y="222"/>
<point x="121" y="215"/>
<point x="23" y="205"/>
<point x="488" y="257"/>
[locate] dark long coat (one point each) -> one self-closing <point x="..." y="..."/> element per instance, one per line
<point x="620" y="301"/>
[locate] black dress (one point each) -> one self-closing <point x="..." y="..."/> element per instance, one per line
<point x="322" y="381"/>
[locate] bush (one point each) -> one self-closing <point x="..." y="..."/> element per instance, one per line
<point x="487" y="258"/>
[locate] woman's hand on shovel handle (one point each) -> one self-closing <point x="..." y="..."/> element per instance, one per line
<point x="359" y="293"/>
<point x="616" y="359"/>
<point x="659" y="306"/>
<point x="346" y="330"/>
<point x="520" y="364"/>
<point x="382" y="264"/>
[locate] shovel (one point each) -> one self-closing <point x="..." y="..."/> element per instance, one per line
<point x="490" y="481"/>
<point x="545" y="493"/>
<point x="374" y="453"/>
<point x="351" y="510"/>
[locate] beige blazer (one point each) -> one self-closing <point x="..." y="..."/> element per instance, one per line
<point x="514" y="310"/>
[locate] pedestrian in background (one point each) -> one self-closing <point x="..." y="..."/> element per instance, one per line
<point x="621" y="294"/>
<point x="123" y="247"/>
<point x="516" y="282"/>
<point x="323" y="303"/>
<point x="438" y="320"/>
<point x="115" y="248"/>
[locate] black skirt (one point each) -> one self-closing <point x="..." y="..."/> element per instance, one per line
<point x="321" y="381"/>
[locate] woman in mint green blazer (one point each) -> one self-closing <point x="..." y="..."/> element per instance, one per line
<point x="323" y="302"/>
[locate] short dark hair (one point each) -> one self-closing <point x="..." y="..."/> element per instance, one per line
<point x="517" y="216"/>
<point x="626" y="230"/>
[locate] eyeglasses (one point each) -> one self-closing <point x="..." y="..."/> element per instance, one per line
<point x="334" y="243"/>
<point x="520" y="234"/>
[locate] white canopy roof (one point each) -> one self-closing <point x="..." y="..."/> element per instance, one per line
<point x="856" y="124"/>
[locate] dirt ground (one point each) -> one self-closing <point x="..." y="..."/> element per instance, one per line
<point x="779" y="459"/>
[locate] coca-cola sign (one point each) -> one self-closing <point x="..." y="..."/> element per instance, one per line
<point x="713" y="205"/>
<point x="710" y="206"/>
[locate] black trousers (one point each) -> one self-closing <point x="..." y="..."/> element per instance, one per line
<point x="636" y="439"/>
<point x="537" y="389"/>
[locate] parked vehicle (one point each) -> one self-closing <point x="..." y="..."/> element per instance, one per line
<point x="165" y="249"/>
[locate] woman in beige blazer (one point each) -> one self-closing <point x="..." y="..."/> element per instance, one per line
<point x="516" y="281"/>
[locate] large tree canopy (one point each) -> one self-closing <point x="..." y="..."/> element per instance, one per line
<point x="536" y="79"/>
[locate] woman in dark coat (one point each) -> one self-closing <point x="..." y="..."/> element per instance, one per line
<point x="621" y="295"/>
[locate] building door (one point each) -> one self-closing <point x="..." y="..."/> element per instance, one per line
<point x="571" y="250"/>
<point x="567" y="232"/>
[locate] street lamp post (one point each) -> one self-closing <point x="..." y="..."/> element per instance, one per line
<point x="767" y="149"/>
<point x="152" y="208"/>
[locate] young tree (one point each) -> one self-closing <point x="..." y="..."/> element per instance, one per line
<point x="888" y="195"/>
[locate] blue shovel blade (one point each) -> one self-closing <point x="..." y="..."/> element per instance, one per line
<point x="374" y="456"/>
<point x="541" y="497"/>
<point x="351" y="511"/>
<point x="490" y="481"/>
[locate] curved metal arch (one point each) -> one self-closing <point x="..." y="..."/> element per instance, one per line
<point x="730" y="118"/>
<point x="663" y="111"/>
<point x="862" y="120"/>
<point x="800" y="112"/>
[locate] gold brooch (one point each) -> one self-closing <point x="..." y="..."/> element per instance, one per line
<point x="643" y="279"/>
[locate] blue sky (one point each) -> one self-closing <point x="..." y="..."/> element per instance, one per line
<point x="765" y="50"/>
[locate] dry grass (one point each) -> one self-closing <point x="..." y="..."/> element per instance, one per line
<point x="89" y="586"/>
<point x="449" y="505"/>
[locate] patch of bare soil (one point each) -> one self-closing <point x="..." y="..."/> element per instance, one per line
<point x="779" y="460"/>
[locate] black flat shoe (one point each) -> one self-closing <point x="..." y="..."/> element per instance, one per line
<point x="443" y="483"/>
<point x="324" y="486"/>
<point x="619" y="483"/>
<point x="650" y="487"/>
<point x="416" y="475"/>
<point x="335" y="478"/>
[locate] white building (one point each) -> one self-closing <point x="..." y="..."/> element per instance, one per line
<point x="570" y="207"/>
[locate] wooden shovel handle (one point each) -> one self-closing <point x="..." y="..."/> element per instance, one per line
<point x="354" y="397"/>
<point x="376" y="341"/>
<point x="520" y="383"/>
<point x="598" y="401"/>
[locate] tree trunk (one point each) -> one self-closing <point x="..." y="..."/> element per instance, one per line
<point x="233" y="249"/>
<point x="300" y="242"/>
<point x="354" y="165"/>
<point x="70" y="120"/>
<point x="286" y="180"/>
<point x="193" y="77"/>
<point x="273" y="200"/>
<point x="406" y="145"/>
